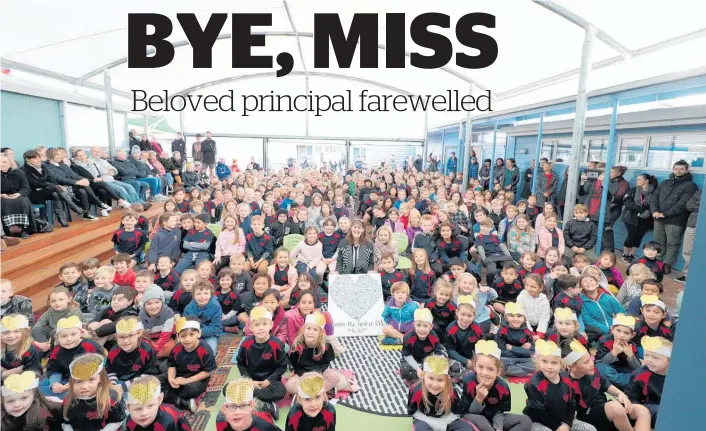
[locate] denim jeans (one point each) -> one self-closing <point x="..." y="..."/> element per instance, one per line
<point x="170" y="179"/>
<point x="190" y="259"/>
<point x="133" y="195"/>
<point x="155" y="185"/>
<point x="213" y="343"/>
<point x="122" y="194"/>
<point x="140" y="187"/>
<point x="620" y="380"/>
<point x="45" y="389"/>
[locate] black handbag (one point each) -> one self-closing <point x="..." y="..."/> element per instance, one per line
<point x="43" y="226"/>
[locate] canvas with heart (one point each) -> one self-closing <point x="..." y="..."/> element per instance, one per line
<point x="356" y="304"/>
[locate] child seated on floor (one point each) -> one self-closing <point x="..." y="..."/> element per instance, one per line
<point x="191" y="363"/>
<point x="311" y="352"/>
<point x="578" y="263"/>
<point x="650" y="258"/>
<point x="536" y="305"/>
<point x="649" y="287"/>
<point x="124" y="274"/>
<point x="647" y="382"/>
<point x="143" y="280"/>
<point x="284" y="275"/>
<point x="389" y="275"/>
<point x="166" y="277"/>
<point x="329" y="239"/>
<point x="132" y="357"/>
<point x="227" y="297"/>
<point x="616" y="356"/>
<point x="242" y="280"/>
<point x="580" y="234"/>
<point x="258" y="246"/>
<point x="182" y="297"/>
<point x="146" y="411"/>
<point x="631" y="289"/>
<point x="69" y="345"/>
<point x="515" y="341"/>
<point x="606" y="263"/>
<point x="88" y="272"/>
<point x="60" y="306"/>
<point x="417" y="344"/>
<point x="421" y="277"/>
<point x="398" y="314"/>
<point x="296" y="316"/>
<point x="262" y="358"/>
<point x="432" y="401"/>
<point x="100" y="298"/>
<point x="197" y="243"/>
<point x="273" y="303"/>
<point x="568" y="296"/>
<point x="507" y="286"/>
<point x="205" y="307"/>
<point x="19" y="354"/>
<point x="158" y="321"/>
<point x="130" y="240"/>
<point x="121" y="304"/>
<point x="306" y="283"/>
<point x="70" y="277"/>
<point x="490" y="250"/>
<point x="461" y="338"/>
<point x="206" y="272"/>
<point x="483" y="297"/>
<point x="486" y="397"/>
<point x="311" y="409"/>
<point x="456" y="268"/>
<point x="566" y="327"/>
<point x="653" y="320"/>
<point x="238" y="410"/>
<point x="443" y="309"/>
<point x="308" y="253"/>
<point x="250" y="299"/>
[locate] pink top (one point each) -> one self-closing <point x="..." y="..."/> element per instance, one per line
<point x="225" y="246"/>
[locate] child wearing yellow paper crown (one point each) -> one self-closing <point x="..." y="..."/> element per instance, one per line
<point x="593" y="406"/>
<point x="69" y="345"/>
<point x="190" y="363"/>
<point x="566" y="327"/>
<point x="515" y="341"/>
<point x="311" y="352"/>
<point x="652" y="322"/>
<point x="616" y="356"/>
<point x="417" y="344"/>
<point x="19" y="353"/>
<point x="262" y="358"/>
<point x="461" y="337"/>
<point x="238" y="410"/>
<point x="486" y="396"/>
<point x="146" y="411"/>
<point x="311" y="410"/>
<point x="24" y="408"/>
<point x="647" y="382"/>
<point x="132" y="356"/>
<point x="432" y="401"/>
<point x="550" y="393"/>
<point x="92" y="404"/>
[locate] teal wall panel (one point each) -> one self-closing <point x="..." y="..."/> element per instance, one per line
<point x="28" y="122"/>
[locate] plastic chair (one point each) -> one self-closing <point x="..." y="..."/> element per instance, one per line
<point x="215" y="228"/>
<point x="404" y="263"/>
<point x="402" y="241"/>
<point x="290" y="241"/>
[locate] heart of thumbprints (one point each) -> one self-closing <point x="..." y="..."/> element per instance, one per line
<point x="355" y="295"/>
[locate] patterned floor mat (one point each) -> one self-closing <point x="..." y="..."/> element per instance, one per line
<point x="382" y="391"/>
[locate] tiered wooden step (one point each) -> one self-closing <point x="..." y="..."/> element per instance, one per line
<point x="33" y="265"/>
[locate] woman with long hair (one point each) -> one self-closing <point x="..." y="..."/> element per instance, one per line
<point x="355" y="253"/>
<point x="637" y="215"/>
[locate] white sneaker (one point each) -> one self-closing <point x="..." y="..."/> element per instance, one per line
<point x="159" y="198"/>
<point x="125" y="204"/>
<point x="105" y="213"/>
<point x="105" y="207"/>
<point x="192" y="405"/>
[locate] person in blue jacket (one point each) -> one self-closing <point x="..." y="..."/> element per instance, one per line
<point x="398" y="314"/>
<point x="205" y="307"/>
<point x="451" y="164"/>
<point x="599" y="308"/>
<point x="222" y="170"/>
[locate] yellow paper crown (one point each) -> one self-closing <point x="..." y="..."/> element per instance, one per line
<point x="621" y="319"/>
<point x="547" y="348"/>
<point x="655" y="345"/>
<point x="577" y="352"/>
<point x="86" y="366"/>
<point x="128" y="326"/>
<point x="18" y="383"/>
<point x="316" y="318"/>
<point x="311" y="385"/>
<point x="652" y="300"/>
<point x="438" y="365"/>
<point x="14" y="322"/>
<point x="183" y="323"/>
<point x="68" y="323"/>
<point x="514" y="308"/>
<point x="488" y="347"/>
<point x="466" y="299"/>
<point x="239" y="391"/>
<point x="423" y="314"/>
<point x="260" y="312"/>
<point x="564" y="314"/>
<point x="141" y="393"/>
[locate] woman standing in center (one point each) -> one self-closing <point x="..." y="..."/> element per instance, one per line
<point x="355" y="253"/>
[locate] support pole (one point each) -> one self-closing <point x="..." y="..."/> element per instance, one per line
<point x="306" y="91"/>
<point x="579" y="125"/>
<point x="146" y="131"/>
<point x="467" y="146"/>
<point x="442" y="168"/>
<point x="348" y="155"/>
<point x="181" y="124"/>
<point x="681" y="394"/>
<point x="491" y="182"/>
<point x="425" y="149"/>
<point x="64" y="129"/>
<point x="606" y="176"/>
<point x="537" y="153"/>
<point x="265" y="142"/>
<point x="109" y="112"/>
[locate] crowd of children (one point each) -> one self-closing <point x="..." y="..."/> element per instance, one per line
<point x="492" y="287"/>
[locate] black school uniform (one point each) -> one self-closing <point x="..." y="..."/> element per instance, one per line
<point x="550" y="404"/>
<point x="297" y="420"/>
<point x="643" y="329"/>
<point x="168" y="419"/>
<point x="461" y="343"/>
<point x="229" y="300"/>
<point x="281" y="276"/>
<point x="553" y="335"/>
<point x="179" y="301"/>
<point x="248" y="301"/>
<point x="645" y="387"/>
<point x="264" y="361"/>
<point x="507" y="292"/>
<point x="390" y="278"/>
<point x="242" y="282"/>
<point x="258" y="247"/>
<point x="563" y="300"/>
<point x="183" y="206"/>
<point x="415" y="403"/>
<point x="418" y="349"/>
<point x="421" y="285"/>
<point x="497" y="401"/>
<point x="83" y="414"/>
<point x="605" y="346"/>
<point x="303" y="359"/>
<point x="329" y="244"/>
<point x="259" y="423"/>
<point x="188" y="364"/>
<point x="29" y="360"/>
<point x="113" y="316"/>
<point x="532" y="213"/>
<point x="655" y="265"/>
<point x="443" y="315"/>
<point x="60" y="358"/>
<point x="170" y="282"/>
<point x="515" y="337"/>
<point x="52" y="418"/>
<point x="124" y="366"/>
<point x="130" y="242"/>
<point x="590" y="399"/>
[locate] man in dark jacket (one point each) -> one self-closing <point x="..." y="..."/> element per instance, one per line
<point x="127" y="173"/>
<point x="670" y="213"/>
<point x="690" y="233"/>
<point x="508" y="176"/>
<point x="418" y="163"/>
<point x="144" y="174"/>
<point x="178" y="144"/>
<point x="133" y="140"/>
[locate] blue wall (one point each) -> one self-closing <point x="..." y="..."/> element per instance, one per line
<point x="29" y="122"/>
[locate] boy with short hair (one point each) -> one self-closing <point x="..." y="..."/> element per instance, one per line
<point x="179" y="196"/>
<point x="122" y="303"/>
<point x="197" y="242"/>
<point x="143" y="280"/>
<point x="456" y="268"/>
<point x="166" y="277"/>
<point x="132" y="357"/>
<point x="130" y="240"/>
<point x="390" y="275"/>
<point x="647" y="382"/>
<point x="183" y="296"/>
<point x="616" y="356"/>
<point x="507" y="286"/>
<point x="14" y="304"/>
<point x="191" y="363"/>
<point x="70" y="277"/>
<point x="258" y="246"/>
<point x="496" y="212"/>
<point x="242" y="280"/>
<point x="417" y="344"/>
<point x="329" y="247"/>
<point x="580" y="234"/>
<point x="424" y="239"/>
<point x="124" y="274"/>
<point x="166" y="241"/>
<point x="567" y="290"/>
<point x="507" y="222"/>
<point x="101" y="297"/>
<point x="648" y="287"/>
<point x="261" y="357"/>
<point x="205" y="307"/>
<point x="490" y="249"/>
<point x="144" y="402"/>
<point x="279" y="228"/>
<point x="532" y="209"/>
<point x="650" y="258"/>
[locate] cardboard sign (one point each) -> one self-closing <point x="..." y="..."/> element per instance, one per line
<point x="356" y="304"/>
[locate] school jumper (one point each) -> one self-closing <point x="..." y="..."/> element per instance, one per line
<point x="618" y="370"/>
<point x="264" y="361"/>
<point x="188" y="364"/>
<point x="414" y="350"/>
<point x="518" y="356"/>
